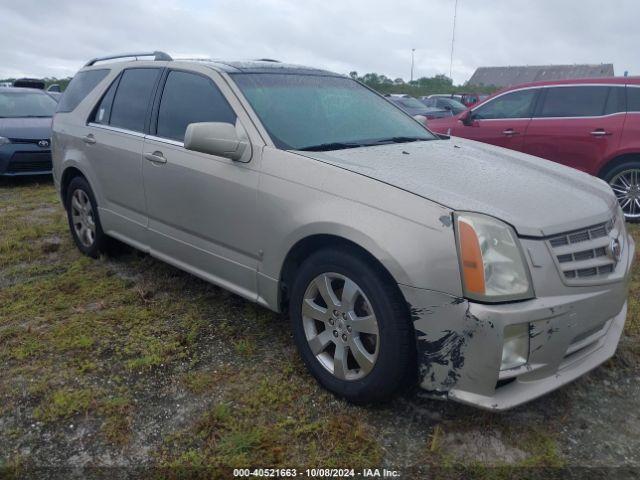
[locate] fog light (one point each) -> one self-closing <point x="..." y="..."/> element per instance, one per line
<point x="515" y="350"/>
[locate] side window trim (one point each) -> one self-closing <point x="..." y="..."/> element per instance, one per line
<point x="153" y="127"/>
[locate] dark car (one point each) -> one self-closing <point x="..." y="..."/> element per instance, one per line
<point x="444" y="103"/>
<point x="25" y="131"/>
<point x="415" y="107"/>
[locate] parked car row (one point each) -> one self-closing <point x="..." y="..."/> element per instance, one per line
<point x="416" y="108"/>
<point x="592" y="125"/>
<point x="467" y="99"/>
<point x="488" y="276"/>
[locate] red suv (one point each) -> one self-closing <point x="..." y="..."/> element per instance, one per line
<point x="589" y="124"/>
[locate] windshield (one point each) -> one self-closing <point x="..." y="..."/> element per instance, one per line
<point x="325" y="112"/>
<point x="26" y="104"/>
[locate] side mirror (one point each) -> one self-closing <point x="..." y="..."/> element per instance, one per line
<point x="220" y="139"/>
<point x="467" y="118"/>
<point x="54" y="88"/>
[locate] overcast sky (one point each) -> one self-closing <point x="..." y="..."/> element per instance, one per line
<point x="54" y="38"/>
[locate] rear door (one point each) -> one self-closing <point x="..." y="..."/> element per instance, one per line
<point x="577" y="125"/>
<point x="502" y="121"/>
<point x="115" y="141"/>
<point x="202" y="208"/>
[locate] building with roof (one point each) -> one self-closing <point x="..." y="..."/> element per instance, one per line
<point x="507" y="76"/>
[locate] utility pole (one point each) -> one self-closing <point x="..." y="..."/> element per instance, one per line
<point x="453" y="39"/>
<point x="413" y="50"/>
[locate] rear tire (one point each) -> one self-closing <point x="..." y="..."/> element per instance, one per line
<point x="624" y="179"/>
<point x="83" y="218"/>
<point x="339" y="344"/>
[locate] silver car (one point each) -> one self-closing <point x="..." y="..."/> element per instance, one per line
<point x="487" y="276"/>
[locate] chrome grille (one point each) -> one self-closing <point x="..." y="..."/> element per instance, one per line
<point x="582" y="255"/>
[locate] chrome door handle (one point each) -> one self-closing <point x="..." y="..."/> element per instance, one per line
<point x="155" y="157"/>
<point x="509" y="132"/>
<point x="89" y="139"/>
<point x="600" y="133"/>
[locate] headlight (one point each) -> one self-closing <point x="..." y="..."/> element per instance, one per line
<point x="491" y="261"/>
<point x="515" y="349"/>
<point x="4" y="141"/>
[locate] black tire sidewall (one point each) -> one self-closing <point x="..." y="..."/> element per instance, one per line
<point x="631" y="164"/>
<point x="80" y="183"/>
<point x="394" y="355"/>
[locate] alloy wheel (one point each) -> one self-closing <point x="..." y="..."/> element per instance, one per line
<point x="626" y="186"/>
<point x="340" y="326"/>
<point x="83" y="218"/>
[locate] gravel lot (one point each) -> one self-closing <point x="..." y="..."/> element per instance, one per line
<point x="127" y="362"/>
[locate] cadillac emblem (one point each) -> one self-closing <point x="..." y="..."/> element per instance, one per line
<point x="615" y="249"/>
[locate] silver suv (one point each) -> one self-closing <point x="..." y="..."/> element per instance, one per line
<point x="488" y="276"/>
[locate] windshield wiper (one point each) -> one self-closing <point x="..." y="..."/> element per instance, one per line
<point x="398" y="140"/>
<point x="325" y="147"/>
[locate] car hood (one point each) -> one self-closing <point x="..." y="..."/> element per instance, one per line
<point x="25" y="128"/>
<point x="535" y="196"/>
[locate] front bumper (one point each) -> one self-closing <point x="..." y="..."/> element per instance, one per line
<point x="460" y="342"/>
<point x="18" y="159"/>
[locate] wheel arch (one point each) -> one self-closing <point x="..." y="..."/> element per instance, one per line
<point x="312" y="243"/>
<point x="618" y="160"/>
<point x="69" y="174"/>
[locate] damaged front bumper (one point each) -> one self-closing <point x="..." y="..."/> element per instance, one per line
<point x="460" y="342"/>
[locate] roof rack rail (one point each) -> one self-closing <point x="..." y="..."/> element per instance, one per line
<point x="157" y="57"/>
<point x="267" y="60"/>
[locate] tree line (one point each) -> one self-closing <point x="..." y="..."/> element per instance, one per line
<point x="417" y="88"/>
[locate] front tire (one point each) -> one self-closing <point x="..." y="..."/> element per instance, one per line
<point x="84" y="222"/>
<point x="351" y="326"/>
<point x="624" y="179"/>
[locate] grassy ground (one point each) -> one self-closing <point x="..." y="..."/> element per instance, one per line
<point x="125" y="361"/>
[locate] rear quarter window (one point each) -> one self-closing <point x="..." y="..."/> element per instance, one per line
<point x="79" y="87"/>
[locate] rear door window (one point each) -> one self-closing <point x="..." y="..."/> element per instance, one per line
<point x="633" y="99"/>
<point x="578" y="101"/>
<point x="615" y="101"/>
<point x="132" y="98"/>
<point x="190" y="98"/>
<point x="79" y="87"/>
<point x="510" y="105"/>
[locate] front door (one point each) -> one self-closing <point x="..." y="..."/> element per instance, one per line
<point x="201" y="208"/>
